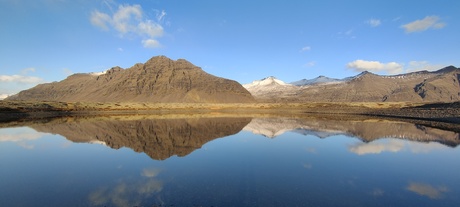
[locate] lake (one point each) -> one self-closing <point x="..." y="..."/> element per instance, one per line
<point x="227" y="161"/>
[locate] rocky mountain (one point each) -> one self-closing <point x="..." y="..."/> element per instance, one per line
<point x="438" y="86"/>
<point x="160" y="79"/>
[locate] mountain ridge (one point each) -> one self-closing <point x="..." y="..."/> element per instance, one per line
<point x="422" y="86"/>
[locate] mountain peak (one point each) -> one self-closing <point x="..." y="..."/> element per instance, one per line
<point x="268" y="81"/>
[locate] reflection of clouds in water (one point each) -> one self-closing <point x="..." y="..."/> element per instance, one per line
<point x="129" y="192"/>
<point x="377" y="192"/>
<point x="425" y="147"/>
<point x="376" y="147"/>
<point x="393" y="145"/>
<point x="21" y="136"/>
<point x="424" y="189"/>
<point x="150" y="172"/>
<point x="311" y="150"/>
<point x="307" y="165"/>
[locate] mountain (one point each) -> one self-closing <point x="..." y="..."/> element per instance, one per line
<point x="318" y="80"/>
<point x="438" y="86"/>
<point x="160" y="79"/>
<point x="270" y="86"/>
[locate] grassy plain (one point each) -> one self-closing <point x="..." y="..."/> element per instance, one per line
<point x="18" y="109"/>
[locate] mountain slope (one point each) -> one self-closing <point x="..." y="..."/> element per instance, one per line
<point x="160" y="79"/>
<point x="438" y="86"/>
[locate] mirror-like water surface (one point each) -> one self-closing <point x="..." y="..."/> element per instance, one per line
<point x="142" y="161"/>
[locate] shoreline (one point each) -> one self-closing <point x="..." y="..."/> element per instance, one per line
<point x="440" y="112"/>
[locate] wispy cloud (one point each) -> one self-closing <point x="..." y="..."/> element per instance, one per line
<point x="376" y="66"/>
<point x="20" y="79"/>
<point x="374" y="22"/>
<point x="11" y="84"/>
<point x="130" y="20"/>
<point x="348" y="34"/>
<point x="309" y="64"/>
<point x="306" y="48"/>
<point x="422" y="65"/>
<point x="429" y="22"/>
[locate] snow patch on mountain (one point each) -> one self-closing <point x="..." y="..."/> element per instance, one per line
<point x="265" y="82"/>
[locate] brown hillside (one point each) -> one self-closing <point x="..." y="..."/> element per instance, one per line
<point x="160" y="79"/>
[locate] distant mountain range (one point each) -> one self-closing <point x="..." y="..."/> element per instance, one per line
<point x="160" y="79"/>
<point x="438" y="86"/>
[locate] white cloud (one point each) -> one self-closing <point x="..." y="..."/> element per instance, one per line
<point x="309" y="64"/>
<point x="20" y="79"/>
<point x="130" y="20"/>
<point x="100" y="19"/>
<point x="374" y="22"/>
<point x="306" y="48"/>
<point x="25" y="71"/>
<point x="422" y="65"/>
<point x="67" y="71"/>
<point x="161" y="15"/>
<point x="150" y="43"/>
<point x="376" y="66"/>
<point x="393" y="68"/>
<point x="429" y="22"/>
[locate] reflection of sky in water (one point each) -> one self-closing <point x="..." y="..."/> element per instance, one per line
<point x="239" y="170"/>
<point x="22" y="136"/>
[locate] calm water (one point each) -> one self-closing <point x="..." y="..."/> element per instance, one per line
<point x="141" y="161"/>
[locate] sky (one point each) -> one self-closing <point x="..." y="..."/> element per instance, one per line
<point x="43" y="41"/>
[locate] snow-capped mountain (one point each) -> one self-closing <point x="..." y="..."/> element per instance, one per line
<point x="268" y="81"/>
<point x="270" y="85"/>
<point x="318" y="80"/>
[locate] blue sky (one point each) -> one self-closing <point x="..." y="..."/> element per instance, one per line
<point x="47" y="40"/>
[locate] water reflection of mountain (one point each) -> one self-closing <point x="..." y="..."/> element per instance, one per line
<point x="158" y="138"/>
<point x="367" y="130"/>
